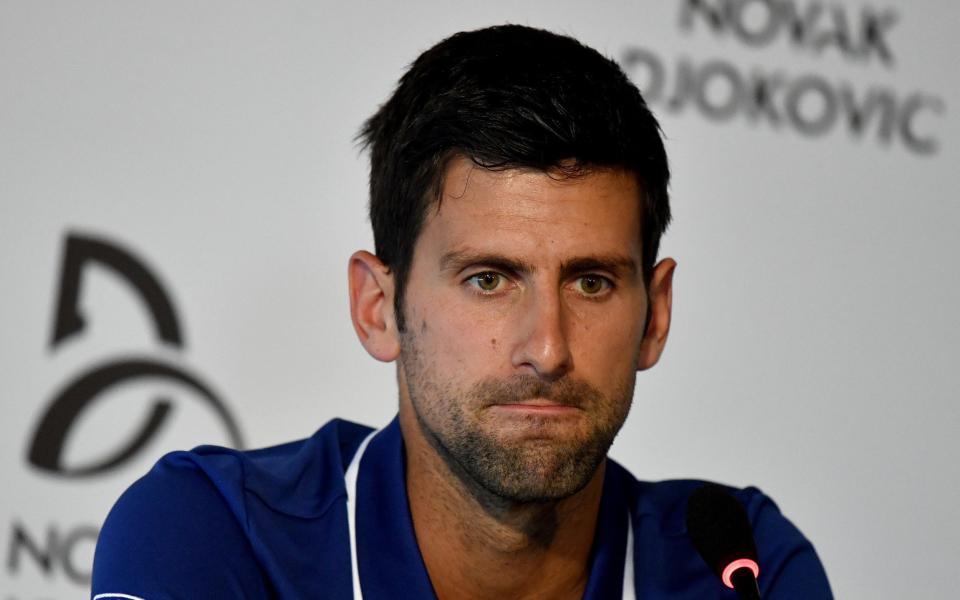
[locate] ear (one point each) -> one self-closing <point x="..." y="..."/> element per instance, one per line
<point x="371" y="306"/>
<point x="660" y="296"/>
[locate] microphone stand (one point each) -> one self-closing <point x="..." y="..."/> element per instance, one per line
<point x="745" y="583"/>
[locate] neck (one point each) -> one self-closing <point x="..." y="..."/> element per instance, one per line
<point x="477" y="545"/>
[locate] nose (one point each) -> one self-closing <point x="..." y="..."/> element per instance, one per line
<point x="542" y="345"/>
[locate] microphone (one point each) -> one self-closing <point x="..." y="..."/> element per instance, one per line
<point x="720" y="530"/>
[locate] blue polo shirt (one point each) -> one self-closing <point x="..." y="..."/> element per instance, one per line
<point x="327" y="517"/>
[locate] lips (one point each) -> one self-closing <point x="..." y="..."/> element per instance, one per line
<point x="536" y="406"/>
<point x="528" y="393"/>
<point x="533" y="402"/>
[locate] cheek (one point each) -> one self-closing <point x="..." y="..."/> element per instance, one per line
<point x="458" y="338"/>
<point x="606" y="344"/>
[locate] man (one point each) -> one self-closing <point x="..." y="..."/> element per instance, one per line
<point x="518" y="194"/>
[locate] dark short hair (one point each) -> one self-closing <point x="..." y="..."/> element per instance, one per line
<point x="507" y="97"/>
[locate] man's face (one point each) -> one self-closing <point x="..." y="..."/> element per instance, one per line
<point x="525" y="308"/>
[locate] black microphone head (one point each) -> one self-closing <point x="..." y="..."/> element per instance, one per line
<point x="719" y="528"/>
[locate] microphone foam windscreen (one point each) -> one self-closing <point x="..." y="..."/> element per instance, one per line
<point x="719" y="528"/>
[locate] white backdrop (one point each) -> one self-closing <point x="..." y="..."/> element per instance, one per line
<point x="815" y="304"/>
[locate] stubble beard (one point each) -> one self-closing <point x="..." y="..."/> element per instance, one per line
<point x="540" y="469"/>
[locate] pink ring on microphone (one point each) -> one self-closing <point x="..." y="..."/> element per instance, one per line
<point x="739" y="564"/>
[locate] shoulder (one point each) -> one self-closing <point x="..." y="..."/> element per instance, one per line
<point x="667" y="501"/>
<point x="299" y="479"/>
<point x="191" y="521"/>
<point x="790" y="567"/>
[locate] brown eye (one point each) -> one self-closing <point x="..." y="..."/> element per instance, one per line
<point x="488" y="281"/>
<point x="592" y="284"/>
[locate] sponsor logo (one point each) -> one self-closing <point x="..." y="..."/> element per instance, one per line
<point x="56" y="550"/>
<point x="68" y="404"/>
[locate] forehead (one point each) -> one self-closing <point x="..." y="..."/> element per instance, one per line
<point x="536" y="214"/>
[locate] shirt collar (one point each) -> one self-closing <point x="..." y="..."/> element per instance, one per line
<point x="389" y="560"/>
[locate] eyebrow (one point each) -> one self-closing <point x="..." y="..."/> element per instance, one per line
<point x="617" y="264"/>
<point x="457" y="260"/>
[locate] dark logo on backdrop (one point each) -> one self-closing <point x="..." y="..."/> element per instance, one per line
<point x="47" y="444"/>
<point x="809" y="104"/>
